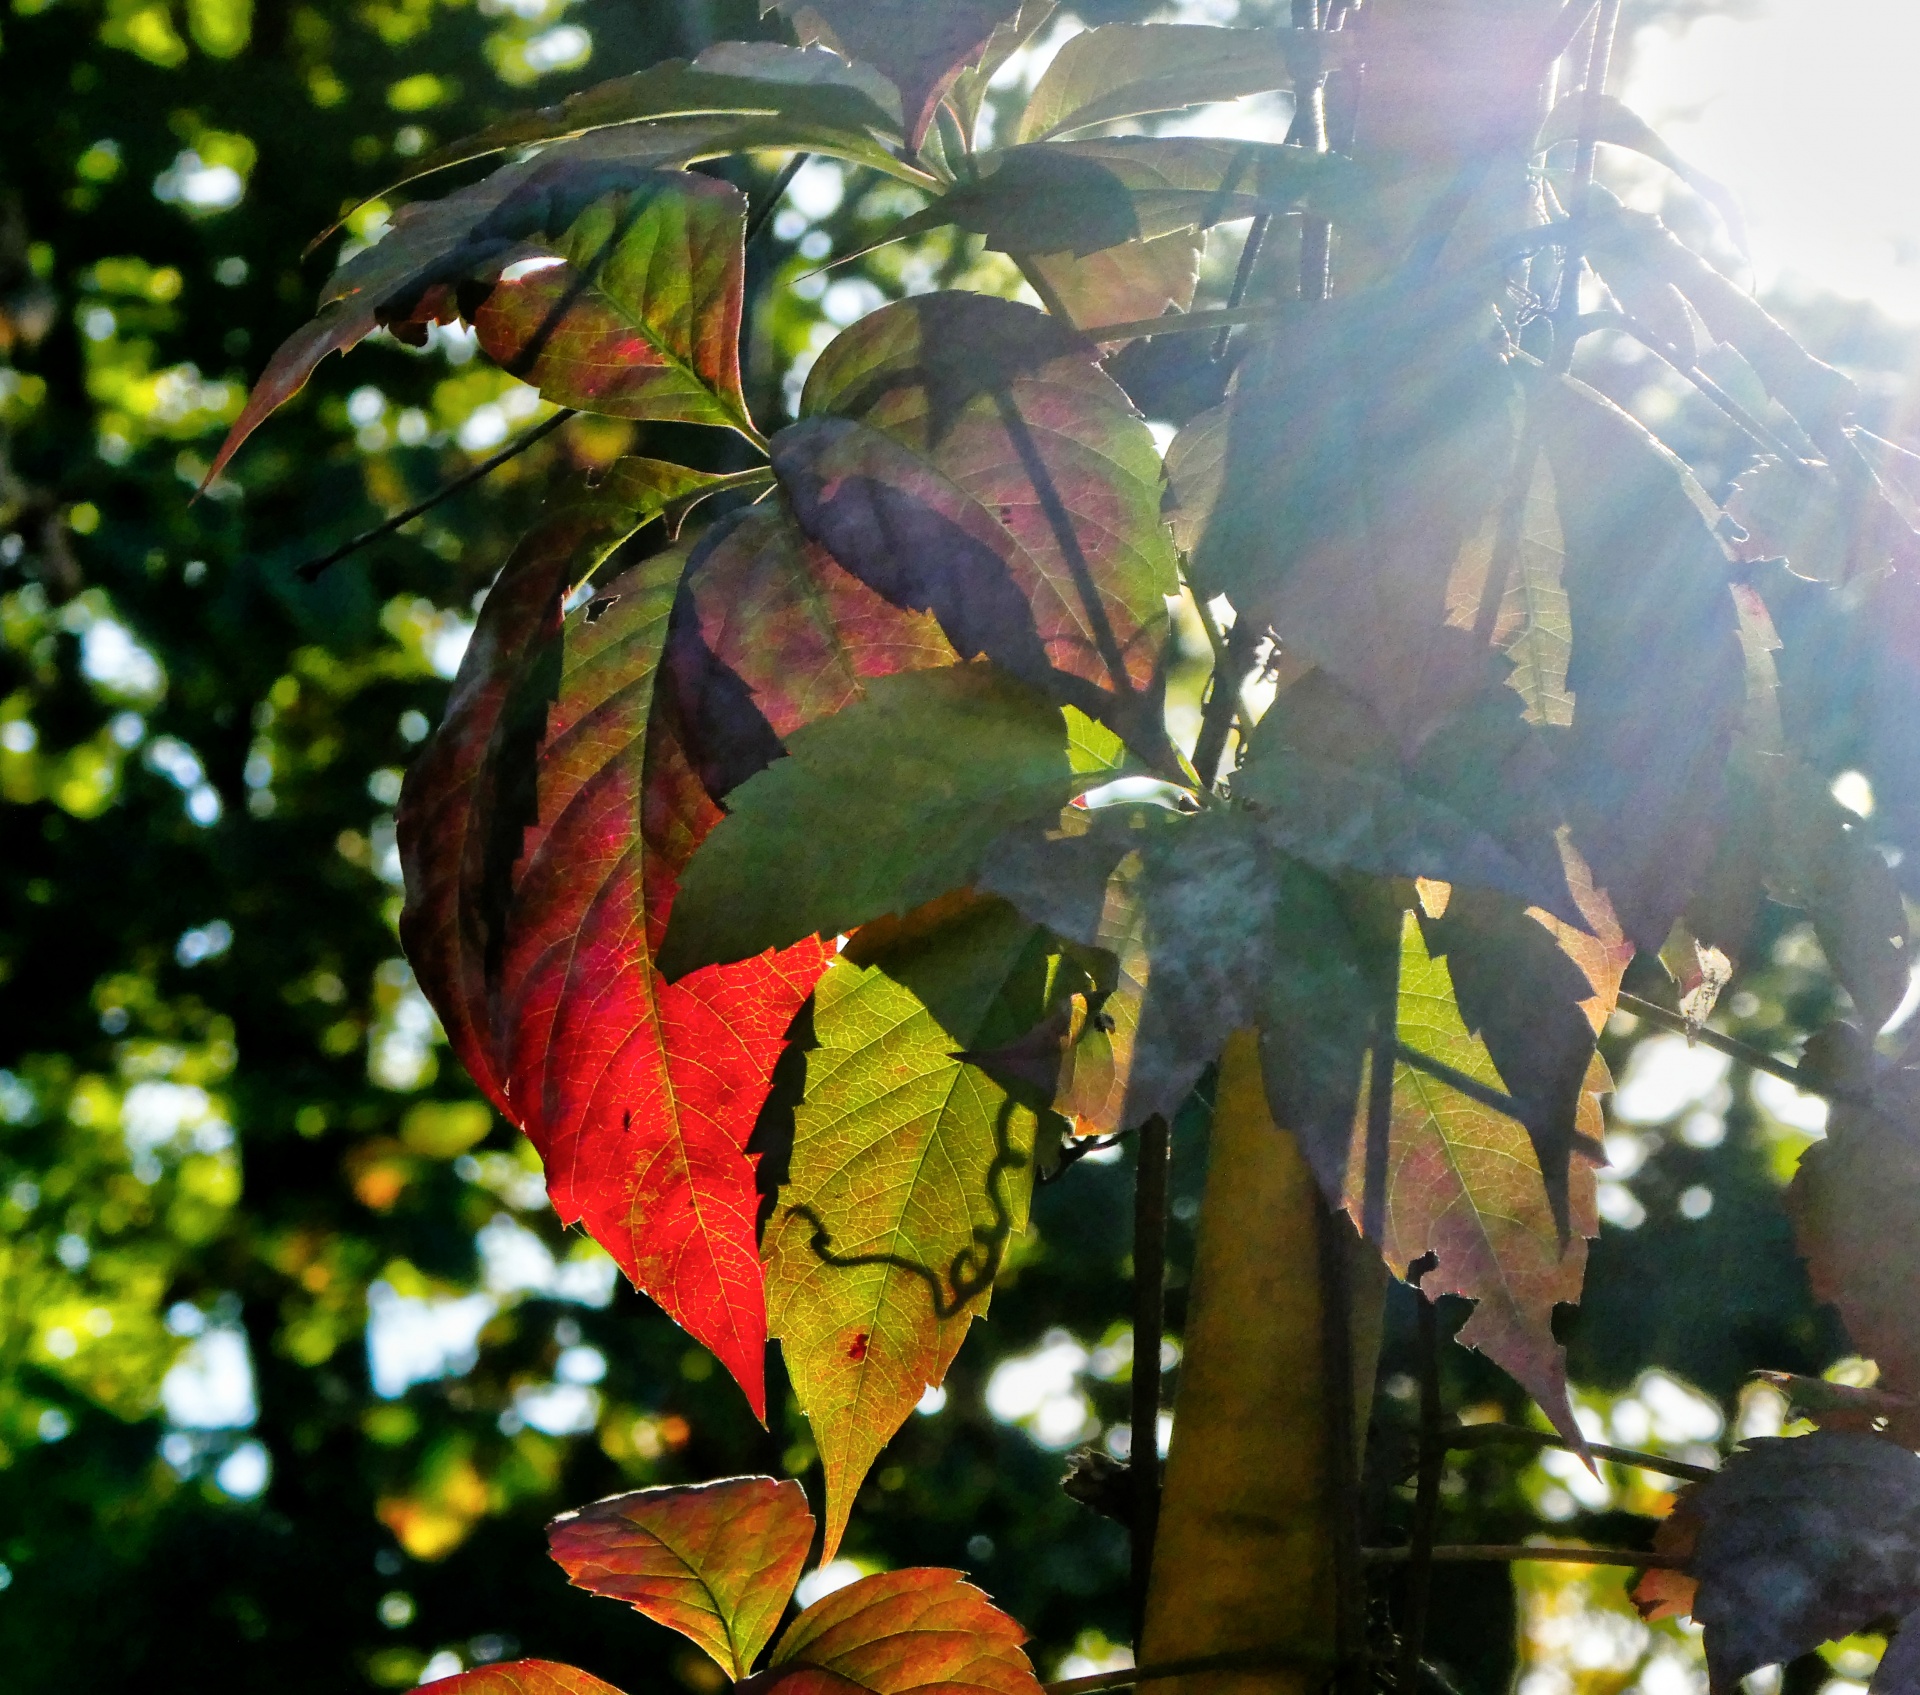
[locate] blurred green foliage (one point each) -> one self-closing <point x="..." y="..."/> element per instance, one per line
<point x="294" y="1361"/>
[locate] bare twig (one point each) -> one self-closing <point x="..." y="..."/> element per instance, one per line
<point x="1745" y="1052"/>
<point x="519" y="445"/>
<point x="1233" y="657"/>
<point x="1152" y="1155"/>
<point x="1518" y="1553"/>
<point x="1243" y="276"/>
<point x="1599" y="62"/>
<point x="1471" y="1436"/>
<point x="776" y="192"/>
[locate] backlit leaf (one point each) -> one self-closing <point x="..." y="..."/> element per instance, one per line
<point x="1081" y="197"/>
<point x="1459" y="1179"/>
<point x="735" y="96"/>
<point x="1855" y="1203"/>
<point x="410" y="278"/>
<point x="714" y="1561"/>
<point x="888" y="803"/>
<point x="1824" y="530"/>
<point x="1124" y="284"/>
<point x="1538" y="991"/>
<point x="1620" y="126"/>
<point x="967" y="456"/>
<point x="1126" y="70"/>
<point x="525" y="1677"/>
<point x="541" y="849"/>
<point x="1327" y="785"/>
<point x="911" y="1172"/>
<point x="917" y="47"/>
<point x="1638" y="249"/>
<point x="1657" y="673"/>
<point x="901" y="1632"/>
<point x="969" y="92"/>
<point x="447" y="821"/>
<point x="1367" y="446"/>
<point x="770" y="634"/>
<point x="1799" y="1541"/>
<point x="642" y="320"/>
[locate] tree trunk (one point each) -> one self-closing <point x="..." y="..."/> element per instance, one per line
<point x="1258" y="1496"/>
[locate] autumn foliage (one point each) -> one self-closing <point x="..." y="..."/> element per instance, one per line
<point x="870" y="784"/>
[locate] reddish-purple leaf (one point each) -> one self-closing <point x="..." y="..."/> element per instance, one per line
<point x="1855" y="1203"/>
<point x="968" y="457"/>
<point x="770" y="634"/>
<point x="902" y="1633"/>
<point x="1797" y="1541"/>
<point x="642" y="317"/>
<point x="1656" y="672"/>
<point x="714" y="1561"/>
<point x="524" y="1677"/>
<point x="919" y="47"/>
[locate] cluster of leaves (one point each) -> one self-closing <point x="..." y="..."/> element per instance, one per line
<point x="1527" y="719"/>
<point x="718" y="1562"/>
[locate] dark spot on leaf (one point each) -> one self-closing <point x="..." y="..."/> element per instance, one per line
<point x="600" y="606"/>
<point x="858" y="1351"/>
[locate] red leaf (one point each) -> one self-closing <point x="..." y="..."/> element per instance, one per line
<point x="714" y="1561"/>
<point x="525" y="1677"/>
<point x="918" y="47"/>
<point x="920" y="1629"/>
<point x="542" y="834"/>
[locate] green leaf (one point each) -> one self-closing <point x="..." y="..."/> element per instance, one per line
<point x="1824" y="529"/>
<point x="642" y="319"/>
<point x="1458" y="1179"/>
<point x="773" y="633"/>
<point x="1084" y="196"/>
<point x="1636" y="253"/>
<point x="1127" y="70"/>
<point x="1511" y="581"/>
<point x="970" y="88"/>
<point x="1124" y="284"/>
<point x="1326" y="784"/>
<point x="1657" y="670"/>
<point x="736" y="96"/>
<point x="1621" y="126"/>
<point x="886" y="804"/>
<point x="911" y="1172"/>
<point x="714" y="1561"/>
<point x="967" y="456"/>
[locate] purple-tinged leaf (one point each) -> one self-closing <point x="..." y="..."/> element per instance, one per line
<point x="919" y="48"/>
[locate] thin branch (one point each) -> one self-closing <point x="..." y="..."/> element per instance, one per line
<point x="1240" y="1659"/>
<point x="1189" y="323"/>
<point x="1426" y="1499"/>
<point x="1471" y="1436"/>
<point x="1745" y="1052"/>
<point x="519" y="445"/>
<point x="1334" y="1233"/>
<point x="1232" y="657"/>
<point x="1520" y="1553"/>
<point x="1599" y="62"/>
<point x="1629" y="325"/>
<point x="1243" y="277"/>
<point x="1152" y="1155"/>
<point x="776" y="192"/>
